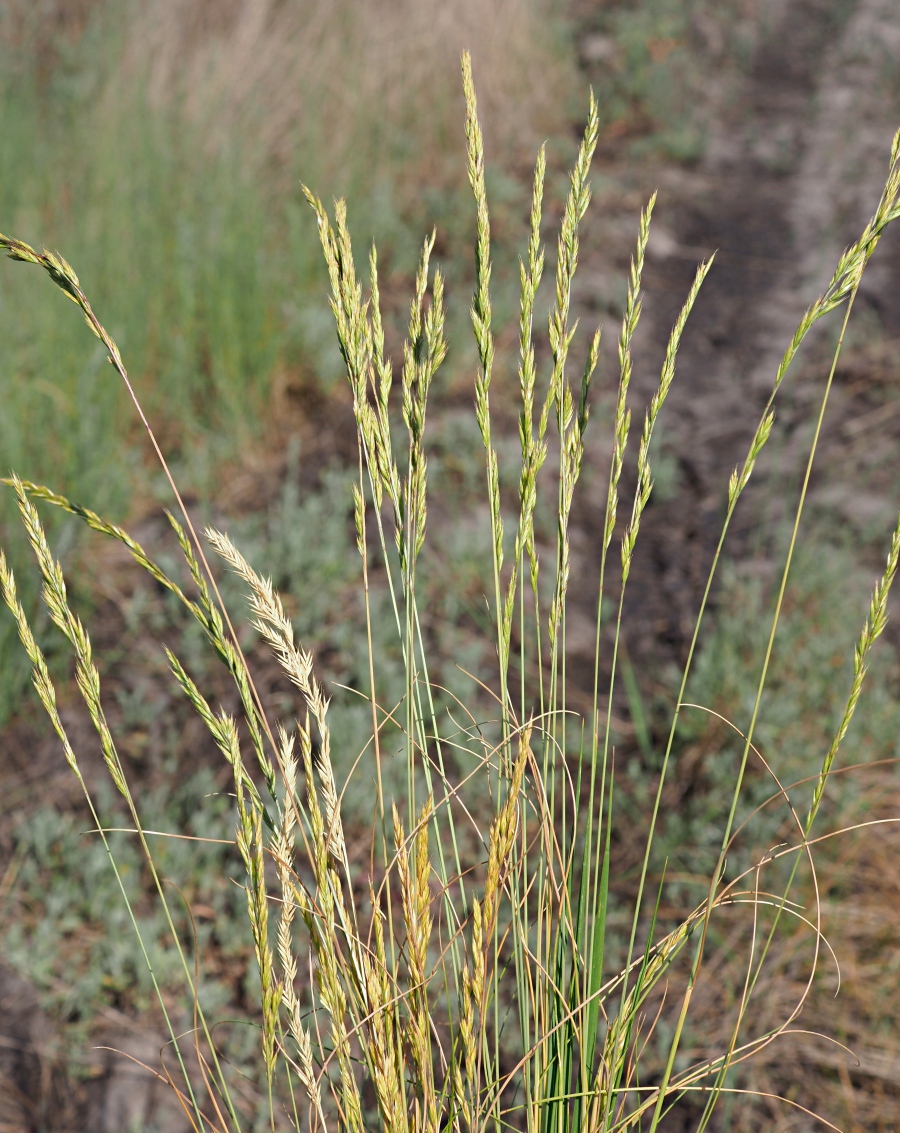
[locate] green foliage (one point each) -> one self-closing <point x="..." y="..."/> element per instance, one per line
<point x="71" y="933"/>
<point x="803" y="702"/>
<point x="651" y="61"/>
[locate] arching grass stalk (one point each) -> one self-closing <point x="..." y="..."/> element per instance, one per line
<point x="67" y="281"/>
<point x="846" y="275"/>
<point x="56" y="599"/>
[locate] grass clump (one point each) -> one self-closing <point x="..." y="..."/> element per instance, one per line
<point x="471" y="967"/>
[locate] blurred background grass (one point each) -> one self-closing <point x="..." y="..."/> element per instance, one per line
<point x="159" y="147"/>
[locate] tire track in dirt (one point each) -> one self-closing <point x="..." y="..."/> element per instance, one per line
<point x="792" y="170"/>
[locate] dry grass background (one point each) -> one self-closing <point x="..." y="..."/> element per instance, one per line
<point x="284" y="76"/>
<point x="310" y="73"/>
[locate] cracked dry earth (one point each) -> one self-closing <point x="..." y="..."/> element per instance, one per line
<point x="795" y="157"/>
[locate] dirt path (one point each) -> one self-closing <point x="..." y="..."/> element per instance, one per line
<point x="796" y="155"/>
